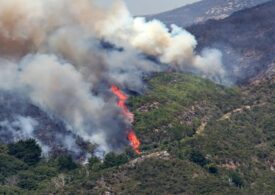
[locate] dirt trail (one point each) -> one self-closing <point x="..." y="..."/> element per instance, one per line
<point x="201" y="128"/>
<point x="237" y="110"/>
<point x="227" y="116"/>
<point x="240" y="110"/>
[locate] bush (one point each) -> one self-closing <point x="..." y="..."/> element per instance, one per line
<point x="198" y="158"/>
<point x="28" y="180"/>
<point x="236" y="179"/>
<point x="10" y="190"/>
<point x="43" y="172"/>
<point x="212" y="168"/>
<point x="28" y="151"/>
<point x="131" y="154"/>
<point x="3" y="149"/>
<point x="27" y="184"/>
<point x="9" y="166"/>
<point x="65" y="162"/>
<point x="112" y="160"/>
<point x="95" y="163"/>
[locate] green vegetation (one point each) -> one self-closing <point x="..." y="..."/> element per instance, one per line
<point x="198" y="158"/>
<point x="175" y="106"/>
<point x="112" y="160"/>
<point x="197" y="138"/>
<point x="10" y="166"/>
<point x="66" y="163"/>
<point x="28" y="151"/>
<point x="236" y="179"/>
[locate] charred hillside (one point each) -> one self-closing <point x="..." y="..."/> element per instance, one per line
<point x="246" y="39"/>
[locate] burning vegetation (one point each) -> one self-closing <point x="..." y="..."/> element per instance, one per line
<point x="82" y="82"/>
<point x="122" y="98"/>
<point x="69" y="79"/>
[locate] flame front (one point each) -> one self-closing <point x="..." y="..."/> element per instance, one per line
<point x="122" y="98"/>
<point x="135" y="143"/>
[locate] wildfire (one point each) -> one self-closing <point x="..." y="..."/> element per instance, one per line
<point x="122" y="98"/>
<point x="135" y="143"/>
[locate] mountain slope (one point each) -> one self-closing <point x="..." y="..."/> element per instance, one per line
<point x="204" y="10"/>
<point x="232" y="154"/>
<point x="19" y="119"/>
<point x="246" y="40"/>
<point x="197" y="138"/>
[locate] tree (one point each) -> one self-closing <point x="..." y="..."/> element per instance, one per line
<point x="26" y="150"/>
<point x="65" y="162"/>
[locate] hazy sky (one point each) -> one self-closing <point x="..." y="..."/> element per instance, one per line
<point x="141" y="7"/>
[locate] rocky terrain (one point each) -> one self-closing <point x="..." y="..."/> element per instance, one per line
<point x="246" y="40"/>
<point x="204" y="10"/>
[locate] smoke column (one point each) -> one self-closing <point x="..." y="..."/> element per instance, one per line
<point x="63" y="56"/>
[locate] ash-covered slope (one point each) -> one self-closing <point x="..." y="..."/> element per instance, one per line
<point x="246" y="40"/>
<point x="203" y="10"/>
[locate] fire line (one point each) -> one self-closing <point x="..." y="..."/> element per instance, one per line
<point x="122" y="98"/>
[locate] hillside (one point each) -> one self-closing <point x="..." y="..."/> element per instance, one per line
<point x="20" y="119"/>
<point x="246" y="40"/>
<point x="248" y="51"/>
<point x="197" y="138"/>
<point x="204" y="10"/>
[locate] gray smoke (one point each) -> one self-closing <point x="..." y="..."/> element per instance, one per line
<point x="21" y="128"/>
<point x="54" y="55"/>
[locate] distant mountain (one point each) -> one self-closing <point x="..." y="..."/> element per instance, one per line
<point x="246" y="39"/>
<point x="204" y="10"/>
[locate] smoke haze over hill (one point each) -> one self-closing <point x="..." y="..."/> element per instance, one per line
<point x="53" y="56"/>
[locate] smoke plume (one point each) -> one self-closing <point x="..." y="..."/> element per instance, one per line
<point x="21" y="128"/>
<point x="64" y="55"/>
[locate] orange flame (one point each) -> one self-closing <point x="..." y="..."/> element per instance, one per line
<point x="134" y="141"/>
<point x="122" y="98"/>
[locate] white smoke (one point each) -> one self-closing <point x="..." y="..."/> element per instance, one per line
<point x="53" y="55"/>
<point x="21" y="128"/>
